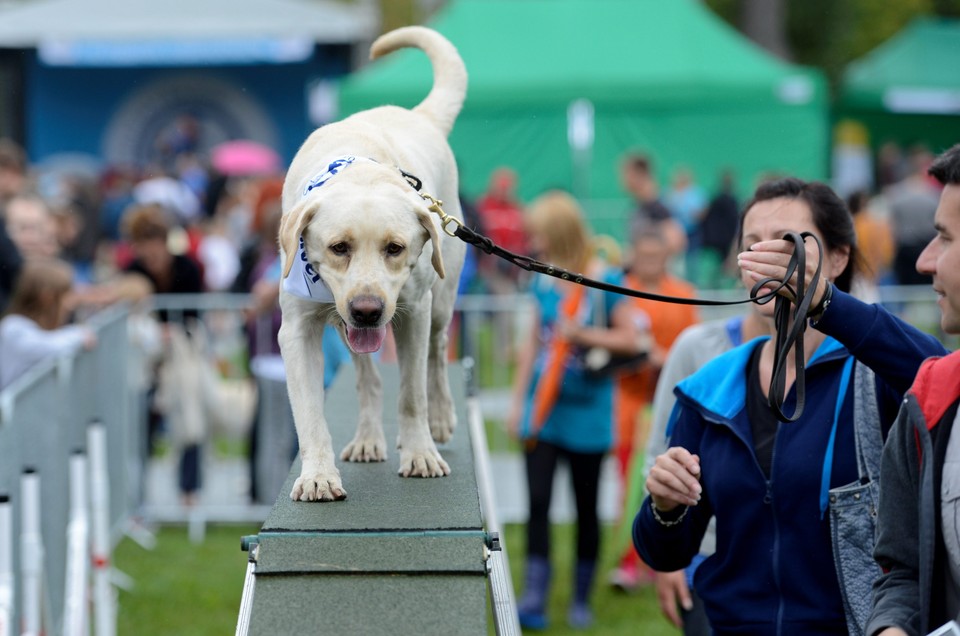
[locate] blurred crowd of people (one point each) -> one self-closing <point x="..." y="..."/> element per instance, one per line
<point x="224" y="222"/>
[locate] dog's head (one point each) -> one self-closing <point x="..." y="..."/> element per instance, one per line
<point x="364" y="238"/>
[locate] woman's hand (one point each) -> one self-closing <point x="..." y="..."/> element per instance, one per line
<point x="89" y="339"/>
<point x="769" y="259"/>
<point x="674" y="479"/>
<point x="568" y="330"/>
<point x="673" y="593"/>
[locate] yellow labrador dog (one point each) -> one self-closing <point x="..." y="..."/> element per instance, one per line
<point x="361" y="251"/>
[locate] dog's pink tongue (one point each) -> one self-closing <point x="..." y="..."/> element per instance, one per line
<point x="366" y="340"/>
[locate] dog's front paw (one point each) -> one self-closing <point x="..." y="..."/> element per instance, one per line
<point x="365" y="449"/>
<point x="318" y="486"/>
<point x="427" y="463"/>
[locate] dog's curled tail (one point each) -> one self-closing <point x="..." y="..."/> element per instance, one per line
<point x="445" y="99"/>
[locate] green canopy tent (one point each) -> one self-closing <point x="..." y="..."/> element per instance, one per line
<point x="907" y="90"/>
<point x="561" y="89"/>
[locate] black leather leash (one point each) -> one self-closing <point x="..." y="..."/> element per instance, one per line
<point x="790" y="319"/>
<point x="790" y="322"/>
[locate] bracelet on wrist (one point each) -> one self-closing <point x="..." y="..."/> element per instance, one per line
<point x="667" y="522"/>
<point x="817" y="313"/>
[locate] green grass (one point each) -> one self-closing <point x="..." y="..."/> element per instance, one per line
<point x="498" y="440"/>
<point x="180" y="587"/>
<point x="194" y="590"/>
<point x="615" y="613"/>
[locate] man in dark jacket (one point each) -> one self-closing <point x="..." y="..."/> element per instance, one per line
<point x="918" y="542"/>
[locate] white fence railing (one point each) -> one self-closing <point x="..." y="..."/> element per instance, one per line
<point x="44" y="416"/>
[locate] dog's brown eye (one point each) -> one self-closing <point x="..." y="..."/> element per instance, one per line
<point x="340" y="249"/>
<point x="394" y="248"/>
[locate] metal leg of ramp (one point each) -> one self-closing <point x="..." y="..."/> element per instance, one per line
<point x="505" y="619"/>
<point x="248" y="544"/>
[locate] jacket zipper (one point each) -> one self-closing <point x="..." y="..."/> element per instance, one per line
<point x="768" y="500"/>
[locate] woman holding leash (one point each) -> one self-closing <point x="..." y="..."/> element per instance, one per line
<point x="794" y="501"/>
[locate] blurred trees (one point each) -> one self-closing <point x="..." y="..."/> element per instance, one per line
<point x="398" y="13"/>
<point x="828" y="34"/>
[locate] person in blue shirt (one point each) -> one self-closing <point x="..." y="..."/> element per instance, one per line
<point x="794" y="502"/>
<point x="560" y="410"/>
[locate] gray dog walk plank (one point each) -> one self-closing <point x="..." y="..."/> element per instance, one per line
<point x="398" y="553"/>
<point x="394" y="604"/>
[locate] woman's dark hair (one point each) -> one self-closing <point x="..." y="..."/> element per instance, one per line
<point x="830" y="215"/>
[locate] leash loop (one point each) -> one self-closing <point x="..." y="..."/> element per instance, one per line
<point x="790" y="316"/>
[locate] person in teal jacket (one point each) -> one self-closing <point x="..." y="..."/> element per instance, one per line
<point x="561" y="411"/>
<point x="794" y="502"/>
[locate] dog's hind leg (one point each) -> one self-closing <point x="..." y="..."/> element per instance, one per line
<point x="418" y="453"/>
<point x="369" y="444"/>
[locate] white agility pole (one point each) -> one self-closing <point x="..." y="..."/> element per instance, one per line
<point x="6" y="566"/>
<point x="105" y="615"/>
<point x="75" y="616"/>
<point x="31" y="552"/>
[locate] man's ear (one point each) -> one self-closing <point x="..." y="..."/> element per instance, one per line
<point x="427" y="221"/>
<point x="292" y="226"/>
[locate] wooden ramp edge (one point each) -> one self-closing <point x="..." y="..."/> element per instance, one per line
<point x="397" y="555"/>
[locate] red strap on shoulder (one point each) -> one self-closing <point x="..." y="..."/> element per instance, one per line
<point x="937" y="386"/>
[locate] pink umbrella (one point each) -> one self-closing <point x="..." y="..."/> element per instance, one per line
<point x="243" y="157"/>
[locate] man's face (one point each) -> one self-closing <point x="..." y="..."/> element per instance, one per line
<point x="941" y="258"/>
<point x="650" y="256"/>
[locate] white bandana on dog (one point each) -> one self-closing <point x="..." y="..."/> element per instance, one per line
<point x="303" y="280"/>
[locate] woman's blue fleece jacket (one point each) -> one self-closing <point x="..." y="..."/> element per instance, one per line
<point x="773" y="570"/>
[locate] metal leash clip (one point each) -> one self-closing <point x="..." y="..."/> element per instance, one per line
<point x="436" y="206"/>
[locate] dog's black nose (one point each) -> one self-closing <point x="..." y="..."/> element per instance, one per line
<point x="366" y="311"/>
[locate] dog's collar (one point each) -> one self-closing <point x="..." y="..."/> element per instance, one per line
<point x="335" y="167"/>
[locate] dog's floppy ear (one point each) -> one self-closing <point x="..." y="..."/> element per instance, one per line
<point x="426" y="220"/>
<point x="291" y="227"/>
